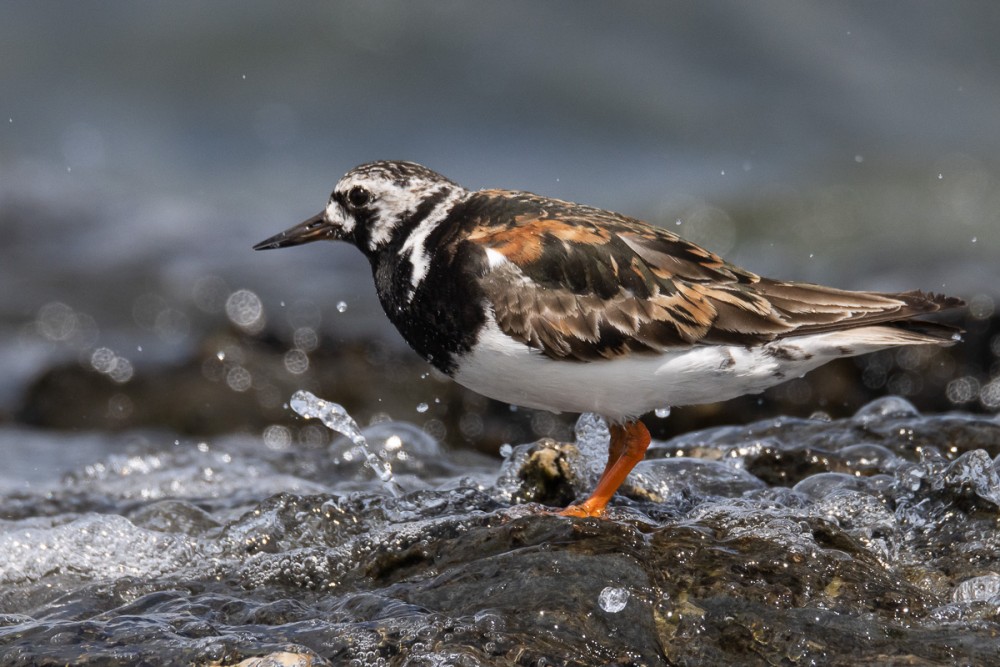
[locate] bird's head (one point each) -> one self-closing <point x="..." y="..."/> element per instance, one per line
<point x="370" y="205"/>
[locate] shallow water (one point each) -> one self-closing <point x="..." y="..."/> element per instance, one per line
<point x="772" y="542"/>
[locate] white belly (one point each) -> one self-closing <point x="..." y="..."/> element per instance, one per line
<point x="502" y="368"/>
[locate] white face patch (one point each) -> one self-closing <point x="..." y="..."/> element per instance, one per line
<point x="416" y="243"/>
<point x="391" y="204"/>
<point x="335" y="215"/>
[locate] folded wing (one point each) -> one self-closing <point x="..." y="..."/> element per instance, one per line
<point x="587" y="284"/>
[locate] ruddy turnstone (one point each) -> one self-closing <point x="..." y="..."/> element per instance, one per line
<point x="558" y="306"/>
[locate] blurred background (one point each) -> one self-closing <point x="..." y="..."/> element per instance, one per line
<point x="144" y="148"/>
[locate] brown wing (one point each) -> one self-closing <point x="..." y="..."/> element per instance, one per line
<point x="582" y="283"/>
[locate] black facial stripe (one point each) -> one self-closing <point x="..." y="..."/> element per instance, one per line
<point x="426" y="206"/>
<point x="363" y="220"/>
<point x="460" y="215"/>
<point x="393" y="267"/>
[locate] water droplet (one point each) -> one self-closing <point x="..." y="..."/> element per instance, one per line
<point x="506" y="449"/>
<point x="239" y="379"/>
<point x="422" y="407"/>
<point x="662" y="413"/>
<point x="393" y="443"/>
<point x="962" y="390"/>
<point x="975" y="238"/>
<point x="612" y="599"/>
<point x="335" y="418"/>
<point x="277" y="438"/>
<point x="859" y="158"/>
<point x="245" y="310"/>
<point x="989" y="395"/>
<point x="341" y="306"/>
<point x="102" y="359"/>
<point x="296" y="362"/>
<point x="305" y="339"/>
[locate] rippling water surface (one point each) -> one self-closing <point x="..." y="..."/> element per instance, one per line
<point x="774" y="541"/>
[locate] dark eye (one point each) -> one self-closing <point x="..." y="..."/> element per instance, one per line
<point x="358" y="196"/>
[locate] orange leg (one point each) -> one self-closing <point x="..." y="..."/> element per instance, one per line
<point x="628" y="446"/>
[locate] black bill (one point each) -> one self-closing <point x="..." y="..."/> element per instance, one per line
<point x="315" y="228"/>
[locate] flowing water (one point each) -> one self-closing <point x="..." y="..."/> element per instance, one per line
<point x="772" y="542"/>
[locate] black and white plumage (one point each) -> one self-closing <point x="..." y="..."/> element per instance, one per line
<point x="554" y="305"/>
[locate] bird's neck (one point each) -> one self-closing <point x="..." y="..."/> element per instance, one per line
<point x="441" y="315"/>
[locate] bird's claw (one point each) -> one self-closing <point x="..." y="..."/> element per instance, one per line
<point x="583" y="510"/>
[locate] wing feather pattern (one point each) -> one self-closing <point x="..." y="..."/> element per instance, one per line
<point x="581" y="283"/>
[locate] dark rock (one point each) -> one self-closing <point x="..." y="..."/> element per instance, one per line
<point x="883" y="552"/>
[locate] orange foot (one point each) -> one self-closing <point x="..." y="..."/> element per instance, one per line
<point x="583" y="510"/>
<point x="627" y="447"/>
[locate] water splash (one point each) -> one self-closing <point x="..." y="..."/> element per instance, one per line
<point x="841" y="512"/>
<point x="335" y="418"/>
<point x="986" y="587"/>
<point x="592" y="437"/>
<point x="885" y="407"/>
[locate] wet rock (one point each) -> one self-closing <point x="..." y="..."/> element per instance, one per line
<point x="546" y="472"/>
<point x="879" y="546"/>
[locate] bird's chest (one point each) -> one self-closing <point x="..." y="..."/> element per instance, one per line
<point x="441" y="315"/>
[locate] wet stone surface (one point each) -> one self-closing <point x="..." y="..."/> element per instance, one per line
<point x="866" y="540"/>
